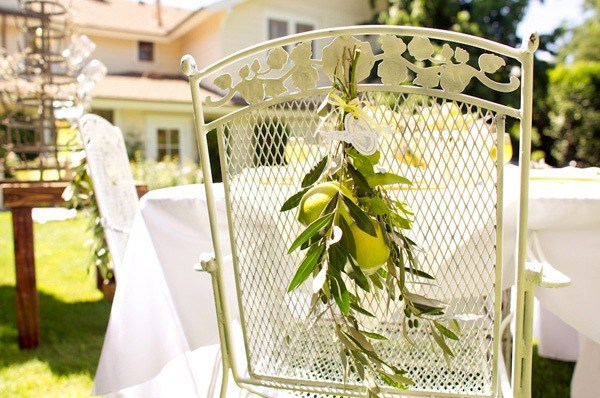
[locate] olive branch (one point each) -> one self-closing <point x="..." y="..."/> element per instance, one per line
<point x="361" y="202"/>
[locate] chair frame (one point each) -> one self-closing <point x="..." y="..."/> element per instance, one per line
<point x="528" y="275"/>
<point x="97" y="133"/>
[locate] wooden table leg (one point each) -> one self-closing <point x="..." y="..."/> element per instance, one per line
<point x="26" y="290"/>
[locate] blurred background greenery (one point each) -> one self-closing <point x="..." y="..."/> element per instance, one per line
<point x="566" y="117"/>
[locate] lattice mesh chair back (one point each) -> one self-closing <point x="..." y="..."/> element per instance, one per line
<point x="410" y="92"/>
<point x="113" y="183"/>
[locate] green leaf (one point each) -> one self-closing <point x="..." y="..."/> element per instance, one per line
<point x="454" y="326"/>
<point x="404" y="208"/>
<point x="359" y="276"/>
<point x="371" y="394"/>
<point x="374" y="336"/>
<point x="445" y="331"/>
<point x="332" y="204"/>
<point x="424" y="304"/>
<point x="345" y="363"/>
<point x="437" y="337"/>
<point x="346" y="342"/>
<point x="374" y="158"/>
<point x="314" y="174"/>
<point x="359" y="179"/>
<point x="371" y="383"/>
<point x="360" y="339"/>
<point x="362" y="220"/>
<point x="339" y="291"/>
<point x="322" y="109"/>
<point x="361" y="310"/>
<point x="400" y="221"/>
<point x="347" y="240"/>
<point x="376" y="279"/>
<point x="307" y="266"/>
<point x="396" y="380"/>
<point x="337" y="257"/>
<point x="360" y="361"/>
<point x="376" y="205"/>
<point x="387" y="179"/>
<point x="418" y="272"/>
<point x="362" y="163"/>
<point x="311" y="230"/>
<point x="293" y="201"/>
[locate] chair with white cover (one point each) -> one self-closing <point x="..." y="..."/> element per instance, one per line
<point x="112" y="180"/>
<point x="369" y="107"/>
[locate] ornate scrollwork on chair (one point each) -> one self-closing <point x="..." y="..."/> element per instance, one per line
<point x="385" y="121"/>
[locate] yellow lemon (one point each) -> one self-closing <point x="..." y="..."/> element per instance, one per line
<point x="371" y="251"/>
<point x="315" y="199"/>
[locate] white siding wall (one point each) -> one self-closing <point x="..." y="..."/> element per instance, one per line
<point x="132" y="124"/>
<point x="247" y="23"/>
<point x="121" y="55"/>
<point x="204" y="42"/>
<point x="139" y="126"/>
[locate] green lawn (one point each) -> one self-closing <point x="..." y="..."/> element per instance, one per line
<point x="74" y="316"/>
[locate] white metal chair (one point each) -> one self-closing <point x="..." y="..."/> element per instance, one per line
<point x="113" y="183"/>
<point x="410" y="91"/>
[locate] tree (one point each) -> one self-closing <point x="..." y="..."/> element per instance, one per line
<point x="493" y="19"/>
<point x="583" y="45"/>
<point x="574" y="98"/>
<point x="574" y="95"/>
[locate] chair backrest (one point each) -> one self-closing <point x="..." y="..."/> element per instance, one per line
<point x="410" y="90"/>
<point x="114" y="187"/>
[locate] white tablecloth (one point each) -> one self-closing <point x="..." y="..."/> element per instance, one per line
<point x="163" y="310"/>
<point x="564" y="215"/>
<point x="163" y="324"/>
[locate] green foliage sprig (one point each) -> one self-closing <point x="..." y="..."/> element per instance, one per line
<point x="331" y="252"/>
<point x="78" y="195"/>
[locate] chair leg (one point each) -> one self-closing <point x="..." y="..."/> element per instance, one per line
<point x="522" y="356"/>
<point x="224" y="381"/>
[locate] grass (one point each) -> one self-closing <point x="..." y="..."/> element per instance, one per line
<point x="73" y="317"/>
<point x="551" y="379"/>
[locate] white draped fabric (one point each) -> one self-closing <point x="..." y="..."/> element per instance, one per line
<point x="162" y="334"/>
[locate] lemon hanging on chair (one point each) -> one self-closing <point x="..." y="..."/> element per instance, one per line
<point x="371" y="252"/>
<point x="315" y="199"/>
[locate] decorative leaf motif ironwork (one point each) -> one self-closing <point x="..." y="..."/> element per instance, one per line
<point x="420" y="48"/>
<point x="277" y="58"/>
<point x="335" y="52"/>
<point x="448" y="69"/>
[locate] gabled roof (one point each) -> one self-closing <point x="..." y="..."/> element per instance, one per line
<point x="140" y="92"/>
<point x="126" y="17"/>
<point x="138" y="88"/>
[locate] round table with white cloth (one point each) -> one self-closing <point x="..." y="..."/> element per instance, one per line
<point x="162" y="334"/>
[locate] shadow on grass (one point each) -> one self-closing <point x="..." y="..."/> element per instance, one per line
<point x="72" y="336"/>
<point x="71" y="333"/>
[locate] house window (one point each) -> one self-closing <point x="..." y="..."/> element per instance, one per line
<point x="304" y="27"/>
<point x="167" y="143"/>
<point x="279" y="27"/>
<point x="145" y="51"/>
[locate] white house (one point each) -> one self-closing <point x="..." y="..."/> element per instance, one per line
<point x="141" y="44"/>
